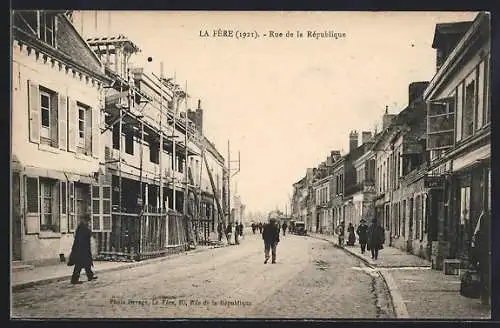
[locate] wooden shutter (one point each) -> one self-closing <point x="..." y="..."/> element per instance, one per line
<point x="72" y="125"/>
<point x="95" y="196"/>
<point x="32" y="207"/>
<point x="54" y="124"/>
<point x="62" y="113"/>
<point x="63" y="194"/>
<point x="89" y="118"/>
<point x="56" y="28"/>
<point x="106" y="207"/>
<point x="71" y="207"/>
<point x="34" y="112"/>
<point x="95" y="132"/>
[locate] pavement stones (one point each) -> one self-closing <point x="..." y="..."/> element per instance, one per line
<point x="417" y="291"/>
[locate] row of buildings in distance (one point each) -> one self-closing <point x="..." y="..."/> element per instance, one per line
<point x="95" y="137"/>
<point x="426" y="176"/>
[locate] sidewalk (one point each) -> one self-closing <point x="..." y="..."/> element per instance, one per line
<point x="417" y="291"/>
<point x="51" y="273"/>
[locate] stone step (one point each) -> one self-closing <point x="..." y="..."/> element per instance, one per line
<point x="19" y="266"/>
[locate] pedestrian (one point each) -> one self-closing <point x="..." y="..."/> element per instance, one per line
<point x="229" y="230"/>
<point x="271" y="237"/>
<point x="362" y="235"/>
<point x="284" y="228"/>
<point x="340" y="232"/>
<point x="81" y="254"/>
<point x="261" y="227"/>
<point x="219" y="230"/>
<point x="253" y="227"/>
<point x="351" y="237"/>
<point x="241" y="229"/>
<point x="236" y="233"/>
<point x="481" y="246"/>
<point x="376" y="238"/>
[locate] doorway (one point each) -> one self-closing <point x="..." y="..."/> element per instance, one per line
<point x="16" y="217"/>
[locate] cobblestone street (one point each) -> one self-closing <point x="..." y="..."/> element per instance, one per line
<point x="311" y="279"/>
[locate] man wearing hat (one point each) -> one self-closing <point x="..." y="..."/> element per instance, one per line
<point x="362" y="232"/>
<point x="271" y="237"/>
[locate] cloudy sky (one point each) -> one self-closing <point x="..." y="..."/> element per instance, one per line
<point x="284" y="103"/>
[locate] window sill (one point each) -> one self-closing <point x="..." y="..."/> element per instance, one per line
<point x="48" y="148"/>
<point x="85" y="157"/>
<point x="49" y="235"/>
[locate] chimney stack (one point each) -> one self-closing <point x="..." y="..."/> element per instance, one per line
<point x="365" y="136"/>
<point x="335" y="155"/>
<point x="416" y="91"/>
<point x="387" y="118"/>
<point x="353" y="140"/>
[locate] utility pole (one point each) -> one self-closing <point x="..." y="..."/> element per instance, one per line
<point x="229" y="176"/>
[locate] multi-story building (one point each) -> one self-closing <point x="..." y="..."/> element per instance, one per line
<point x="338" y="192"/>
<point x="459" y="134"/>
<point x="356" y="180"/>
<point x="57" y="83"/>
<point x="364" y="198"/>
<point x="154" y="160"/>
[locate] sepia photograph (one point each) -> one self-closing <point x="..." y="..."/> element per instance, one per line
<point x="250" y="165"/>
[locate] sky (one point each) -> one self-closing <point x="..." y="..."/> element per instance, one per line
<point x="283" y="103"/>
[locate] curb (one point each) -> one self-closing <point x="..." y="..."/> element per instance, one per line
<point x="44" y="281"/>
<point x="396" y="300"/>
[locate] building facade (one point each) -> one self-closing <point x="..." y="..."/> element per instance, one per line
<point x="459" y="134"/>
<point x="56" y="108"/>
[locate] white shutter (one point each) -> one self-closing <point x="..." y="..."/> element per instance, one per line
<point x="63" y="203"/>
<point x="62" y="110"/>
<point x="71" y="207"/>
<point x="95" y="132"/>
<point x="459" y="105"/>
<point x="72" y="125"/>
<point x="95" y="208"/>
<point x="34" y="112"/>
<point x="32" y="205"/>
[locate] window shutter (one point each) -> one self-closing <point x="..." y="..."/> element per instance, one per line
<point x="89" y="126"/>
<point x="32" y="217"/>
<point x="95" y="207"/>
<point x="54" y="126"/>
<point x="56" y="28"/>
<point x="458" y="112"/>
<point x="63" y="192"/>
<point x="63" y="121"/>
<point x="71" y="207"/>
<point x="34" y="112"/>
<point x="72" y="125"/>
<point x="95" y="133"/>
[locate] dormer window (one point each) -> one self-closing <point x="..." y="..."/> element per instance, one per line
<point x="47" y="27"/>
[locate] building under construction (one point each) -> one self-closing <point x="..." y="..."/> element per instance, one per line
<point x="160" y="179"/>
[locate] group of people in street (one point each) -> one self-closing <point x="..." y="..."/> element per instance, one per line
<point x="257" y="226"/>
<point x="371" y="237"/>
<point x="238" y="231"/>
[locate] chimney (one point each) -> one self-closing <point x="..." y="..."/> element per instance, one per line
<point x="197" y="117"/>
<point x="335" y="155"/>
<point x="365" y="136"/>
<point x="353" y="140"/>
<point x="446" y="37"/>
<point x="416" y="91"/>
<point x="387" y="118"/>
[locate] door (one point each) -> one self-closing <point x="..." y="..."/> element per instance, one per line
<point x="16" y="217"/>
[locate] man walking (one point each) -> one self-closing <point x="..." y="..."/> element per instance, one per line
<point x="271" y="237"/>
<point x="284" y="228"/>
<point x="376" y="238"/>
<point x="362" y="232"/>
<point x="219" y="230"/>
<point x="81" y="254"/>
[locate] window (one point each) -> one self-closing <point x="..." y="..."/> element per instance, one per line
<point x="469" y="109"/>
<point x="116" y="136"/>
<point x="48" y="119"/>
<point x="403" y="214"/>
<point x="129" y="143"/>
<point x="487" y="88"/>
<point x="81" y="126"/>
<point x="47" y="27"/>
<point x="48" y="205"/>
<point x="154" y="152"/>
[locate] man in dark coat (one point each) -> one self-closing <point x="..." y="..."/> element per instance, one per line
<point x="219" y="231"/>
<point x="241" y="229"/>
<point x="253" y="227"/>
<point x="376" y="238"/>
<point x="362" y="232"/>
<point x="81" y="254"/>
<point x="271" y="236"/>
<point x="284" y="228"/>
<point x="261" y="227"/>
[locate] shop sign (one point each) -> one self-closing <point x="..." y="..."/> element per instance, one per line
<point x="434" y="182"/>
